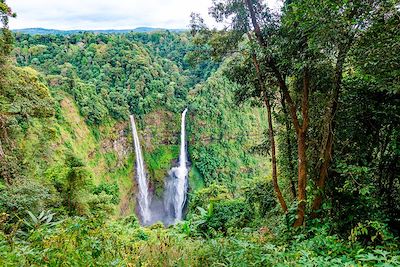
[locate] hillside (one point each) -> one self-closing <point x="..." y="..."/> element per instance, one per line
<point x="42" y="31"/>
<point x="91" y="113"/>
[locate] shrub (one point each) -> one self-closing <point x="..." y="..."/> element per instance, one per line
<point x="226" y="215"/>
<point x="370" y="233"/>
<point x="259" y="194"/>
<point x="110" y="189"/>
<point x="203" y="197"/>
<point x="25" y="195"/>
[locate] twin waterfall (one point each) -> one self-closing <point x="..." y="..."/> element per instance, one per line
<point x="169" y="210"/>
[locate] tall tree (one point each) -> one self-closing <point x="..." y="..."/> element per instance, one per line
<point x="5" y="35"/>
<point x="301" y="128"/>
<point x="226" y="42"/>
<point x="5" y="49"/>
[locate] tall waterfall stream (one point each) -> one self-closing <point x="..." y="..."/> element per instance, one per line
<point x="176" y="184"/>
<point x="170" y="209"/>
<point x="143" y="185"/>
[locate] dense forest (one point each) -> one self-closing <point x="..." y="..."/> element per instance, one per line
<point x="293" y="139"/>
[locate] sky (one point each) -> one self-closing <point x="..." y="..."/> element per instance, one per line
<point x="108" y="14"/>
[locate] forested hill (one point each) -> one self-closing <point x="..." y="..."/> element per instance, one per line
<point x="43" y="31"/>
<point x="122" y="68"/>
<point x="292" y="133"/>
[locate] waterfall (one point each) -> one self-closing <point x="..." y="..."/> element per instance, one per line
<point x="169" y="208"/>
<point x="176" y="186"/>
<point x="143" y="196"/>
<point x="181" y="172"/>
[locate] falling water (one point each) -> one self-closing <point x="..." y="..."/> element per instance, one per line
<point x="143" y="196"/>
<point x="176" y="187"/>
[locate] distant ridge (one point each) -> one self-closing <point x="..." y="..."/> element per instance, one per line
<point x="42" y="31"/>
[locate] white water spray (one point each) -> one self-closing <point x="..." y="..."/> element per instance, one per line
<point x="143" y="196"/>
<point x="176" y="188"/>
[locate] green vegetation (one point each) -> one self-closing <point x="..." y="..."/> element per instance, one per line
<point x="293" y="138"/>
<point x="158" y="161"/>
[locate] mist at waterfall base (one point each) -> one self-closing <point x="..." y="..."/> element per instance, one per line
<point x="170" y="207"/>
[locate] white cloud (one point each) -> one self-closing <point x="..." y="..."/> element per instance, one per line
<point x="106" y="14"/>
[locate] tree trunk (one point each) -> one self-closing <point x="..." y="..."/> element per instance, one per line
<point x="302" y="153"/>
<point x="327" y="146"/>
<point x="301" y="130"/>
<point x="3" y="136"/>
<point x="289" y="149"/>
<point x="302" y="179"/>
<point x="257" y="29"/>
<point x="1" y="152"/>
<point x="290" y="160"/>
<point x="261" y="81"/>
<point x="273" y="155"/>
<point x="323" y="171"/>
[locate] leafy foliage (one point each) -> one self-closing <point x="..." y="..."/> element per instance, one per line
<point x="330" y="73"/>
<point x="114" y="74"/>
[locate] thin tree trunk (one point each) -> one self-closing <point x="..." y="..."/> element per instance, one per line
<point x="327" y="146"/>
<point x="291" y="165"/>
<point x="273" y="155"/>
<point x="272" y="65"/>
<point x="301" y="130"/>
<point x="3" y="136"/>
<point x="289" y="149"/>
<point x="257" y="29"/>
<point x="302" y="153"/>
<point x="278" y="192"/>
<point x="302" y="179"/>
<point x="1" y="152"/>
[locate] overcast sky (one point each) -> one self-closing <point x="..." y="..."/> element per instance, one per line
<point x="108" y="14"/>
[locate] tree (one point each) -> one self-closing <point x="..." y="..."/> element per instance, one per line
<point x="305" y="52"/>
<point x="6" y="39"/>
<point x="5" y="48"/>
<point x="227" y="41"/>
<point x="22" y="97"/>
<point x="76" y="181"/>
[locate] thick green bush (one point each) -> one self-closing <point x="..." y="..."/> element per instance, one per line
<point x="226" y="215"/>
<point x="260" y="195"/>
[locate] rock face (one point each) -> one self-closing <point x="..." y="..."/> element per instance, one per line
<point x="160" y="128"/>
<point x="117" y="142"/>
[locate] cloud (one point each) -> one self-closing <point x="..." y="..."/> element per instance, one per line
<point x="106" y="14"/>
